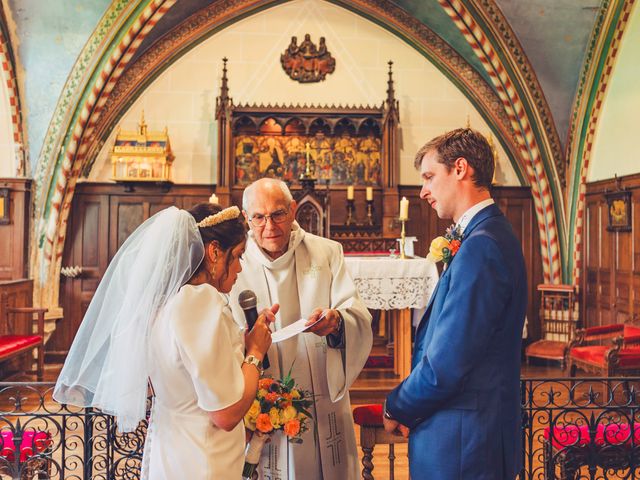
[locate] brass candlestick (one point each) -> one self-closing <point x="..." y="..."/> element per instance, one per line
<point x="402" y="239"/>
<point x="370" y="212"/>
<point x="350" y="210"/>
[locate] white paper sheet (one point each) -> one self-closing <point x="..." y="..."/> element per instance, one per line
<point x="292" y="330"/>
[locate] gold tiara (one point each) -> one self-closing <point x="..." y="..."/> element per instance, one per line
<point x="222" y="216"/>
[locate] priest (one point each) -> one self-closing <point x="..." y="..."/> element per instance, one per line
<point x="307" y="276"/>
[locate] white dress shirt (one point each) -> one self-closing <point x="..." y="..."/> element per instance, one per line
<point x="466" y="217"/>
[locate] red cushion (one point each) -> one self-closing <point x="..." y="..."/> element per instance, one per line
<point x="593" y="354"/>
<point x="370" y="415"/>
<point x="14" y="343"/>
<point x="578" y="435"/>
<point x="547" y="349"/>
<point x="379" y="361"/>
<point x="7" y="448"/>
<point x="629" y="357"/>
<point x="605" y="329"/>
<point x="631" y="331"/>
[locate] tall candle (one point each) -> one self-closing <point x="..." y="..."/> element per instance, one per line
<point x="369" y="194"/>
<point x="350" y="192"/>
<point x="213" y="198"/>
<point x="404" y="209"/>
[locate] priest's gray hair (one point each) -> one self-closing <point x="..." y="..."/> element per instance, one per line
<point x="249" y="193"/>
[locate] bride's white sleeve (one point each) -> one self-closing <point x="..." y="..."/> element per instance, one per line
<point x="210" y="345"/>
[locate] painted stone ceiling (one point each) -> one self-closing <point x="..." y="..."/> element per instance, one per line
<point x="554" y="35"/>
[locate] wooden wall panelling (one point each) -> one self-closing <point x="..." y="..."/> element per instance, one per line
<point x="87" y="247"/>
<point x="590" y="310"/>
<point x="517" y="205"/>
<point x="611" y="277"/>
<point x="102" y="216"/>
<point x="128" y="212"/>
<point x="14" y="236"/>
<point x="635" y="265"/>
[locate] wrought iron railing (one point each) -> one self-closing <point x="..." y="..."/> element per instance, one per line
<point x="42" y="439"/>
<point x="584" y="428"/>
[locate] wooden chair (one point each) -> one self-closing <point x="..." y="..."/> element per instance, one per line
<point x="372" y="433"/>
<point x="558" y="320"/>
<point x="17" y="337"/>
<point x="610" y="350"/>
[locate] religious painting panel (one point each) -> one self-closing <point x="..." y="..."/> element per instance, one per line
<point x="619" y="207"/>
<point x="339" y="154"/>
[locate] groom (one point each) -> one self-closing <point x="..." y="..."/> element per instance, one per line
<point x="460" y="405"/>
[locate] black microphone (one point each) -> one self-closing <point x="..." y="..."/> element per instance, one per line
<point x="248" y="302"/>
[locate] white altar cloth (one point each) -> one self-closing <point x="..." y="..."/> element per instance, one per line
<point x="386" y="283"/>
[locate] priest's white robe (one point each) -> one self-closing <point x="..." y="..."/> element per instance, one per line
<point x="311" y="274"/>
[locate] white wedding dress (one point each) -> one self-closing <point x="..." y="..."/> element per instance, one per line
<point x="196" y="353"/>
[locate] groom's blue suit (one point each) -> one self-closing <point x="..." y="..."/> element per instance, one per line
<point x="462" y="398"/>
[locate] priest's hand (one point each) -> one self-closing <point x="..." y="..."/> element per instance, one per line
<point x="395" y="428"/>
<point x="329" y="322"/>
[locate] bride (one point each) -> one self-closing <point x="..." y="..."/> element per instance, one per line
<point x="160" y="317"/>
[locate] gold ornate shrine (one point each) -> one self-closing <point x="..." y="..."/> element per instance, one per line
<point x="141" y="156"/>
<point x="336" y="146"/>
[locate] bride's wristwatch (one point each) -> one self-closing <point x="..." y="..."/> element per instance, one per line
<point x="253" y="360"/>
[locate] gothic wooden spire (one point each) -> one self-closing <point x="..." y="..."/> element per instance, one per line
<point x="390" y="91"/>
<point x="223" y="102"/>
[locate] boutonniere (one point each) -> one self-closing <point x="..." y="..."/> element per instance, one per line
<point x="445" y="248"/>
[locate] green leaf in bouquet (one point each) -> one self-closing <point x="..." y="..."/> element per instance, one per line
<point x="287" y="378"/>
<point x="306" y="412"/>
<point x="289" y="384"/>
<point x="297" y="440"/>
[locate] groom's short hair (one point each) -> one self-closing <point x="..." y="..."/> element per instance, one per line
<point x="466" y="143"/>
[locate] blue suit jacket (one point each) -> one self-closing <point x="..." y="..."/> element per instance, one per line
<point x="462" y="398"/>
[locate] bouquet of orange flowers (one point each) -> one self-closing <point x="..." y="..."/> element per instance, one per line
<point x="279" y="405"/>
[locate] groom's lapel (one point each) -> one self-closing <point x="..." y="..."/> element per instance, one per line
<point x="487" y="212"/>
<point x="427" y="312"/>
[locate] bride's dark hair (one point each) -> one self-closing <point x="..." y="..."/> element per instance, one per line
<point x="227" y="234"/>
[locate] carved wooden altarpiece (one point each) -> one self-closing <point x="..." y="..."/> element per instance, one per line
<point x="337" y="146"/>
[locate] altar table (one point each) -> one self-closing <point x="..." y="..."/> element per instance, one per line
<point x="396" y="285"/>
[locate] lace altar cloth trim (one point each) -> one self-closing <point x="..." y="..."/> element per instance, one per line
<point x="390" y="283"/>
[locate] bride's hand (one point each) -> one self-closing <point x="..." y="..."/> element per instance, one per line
<point x="258" y="340"/>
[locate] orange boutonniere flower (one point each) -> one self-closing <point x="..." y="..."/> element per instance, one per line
<point x="445" y="248"/>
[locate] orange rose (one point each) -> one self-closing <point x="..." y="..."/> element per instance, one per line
<point x="272" y="397"/>
<point x="265" y="383"/>
<point x="292" y="428"/>
<point x="454" y="246"/>
<point x="263" y="423"/>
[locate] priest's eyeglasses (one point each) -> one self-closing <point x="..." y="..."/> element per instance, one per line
<point x="259" y="220"/>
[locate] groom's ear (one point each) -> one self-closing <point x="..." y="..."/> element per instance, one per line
<point x="461" y="168"/>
